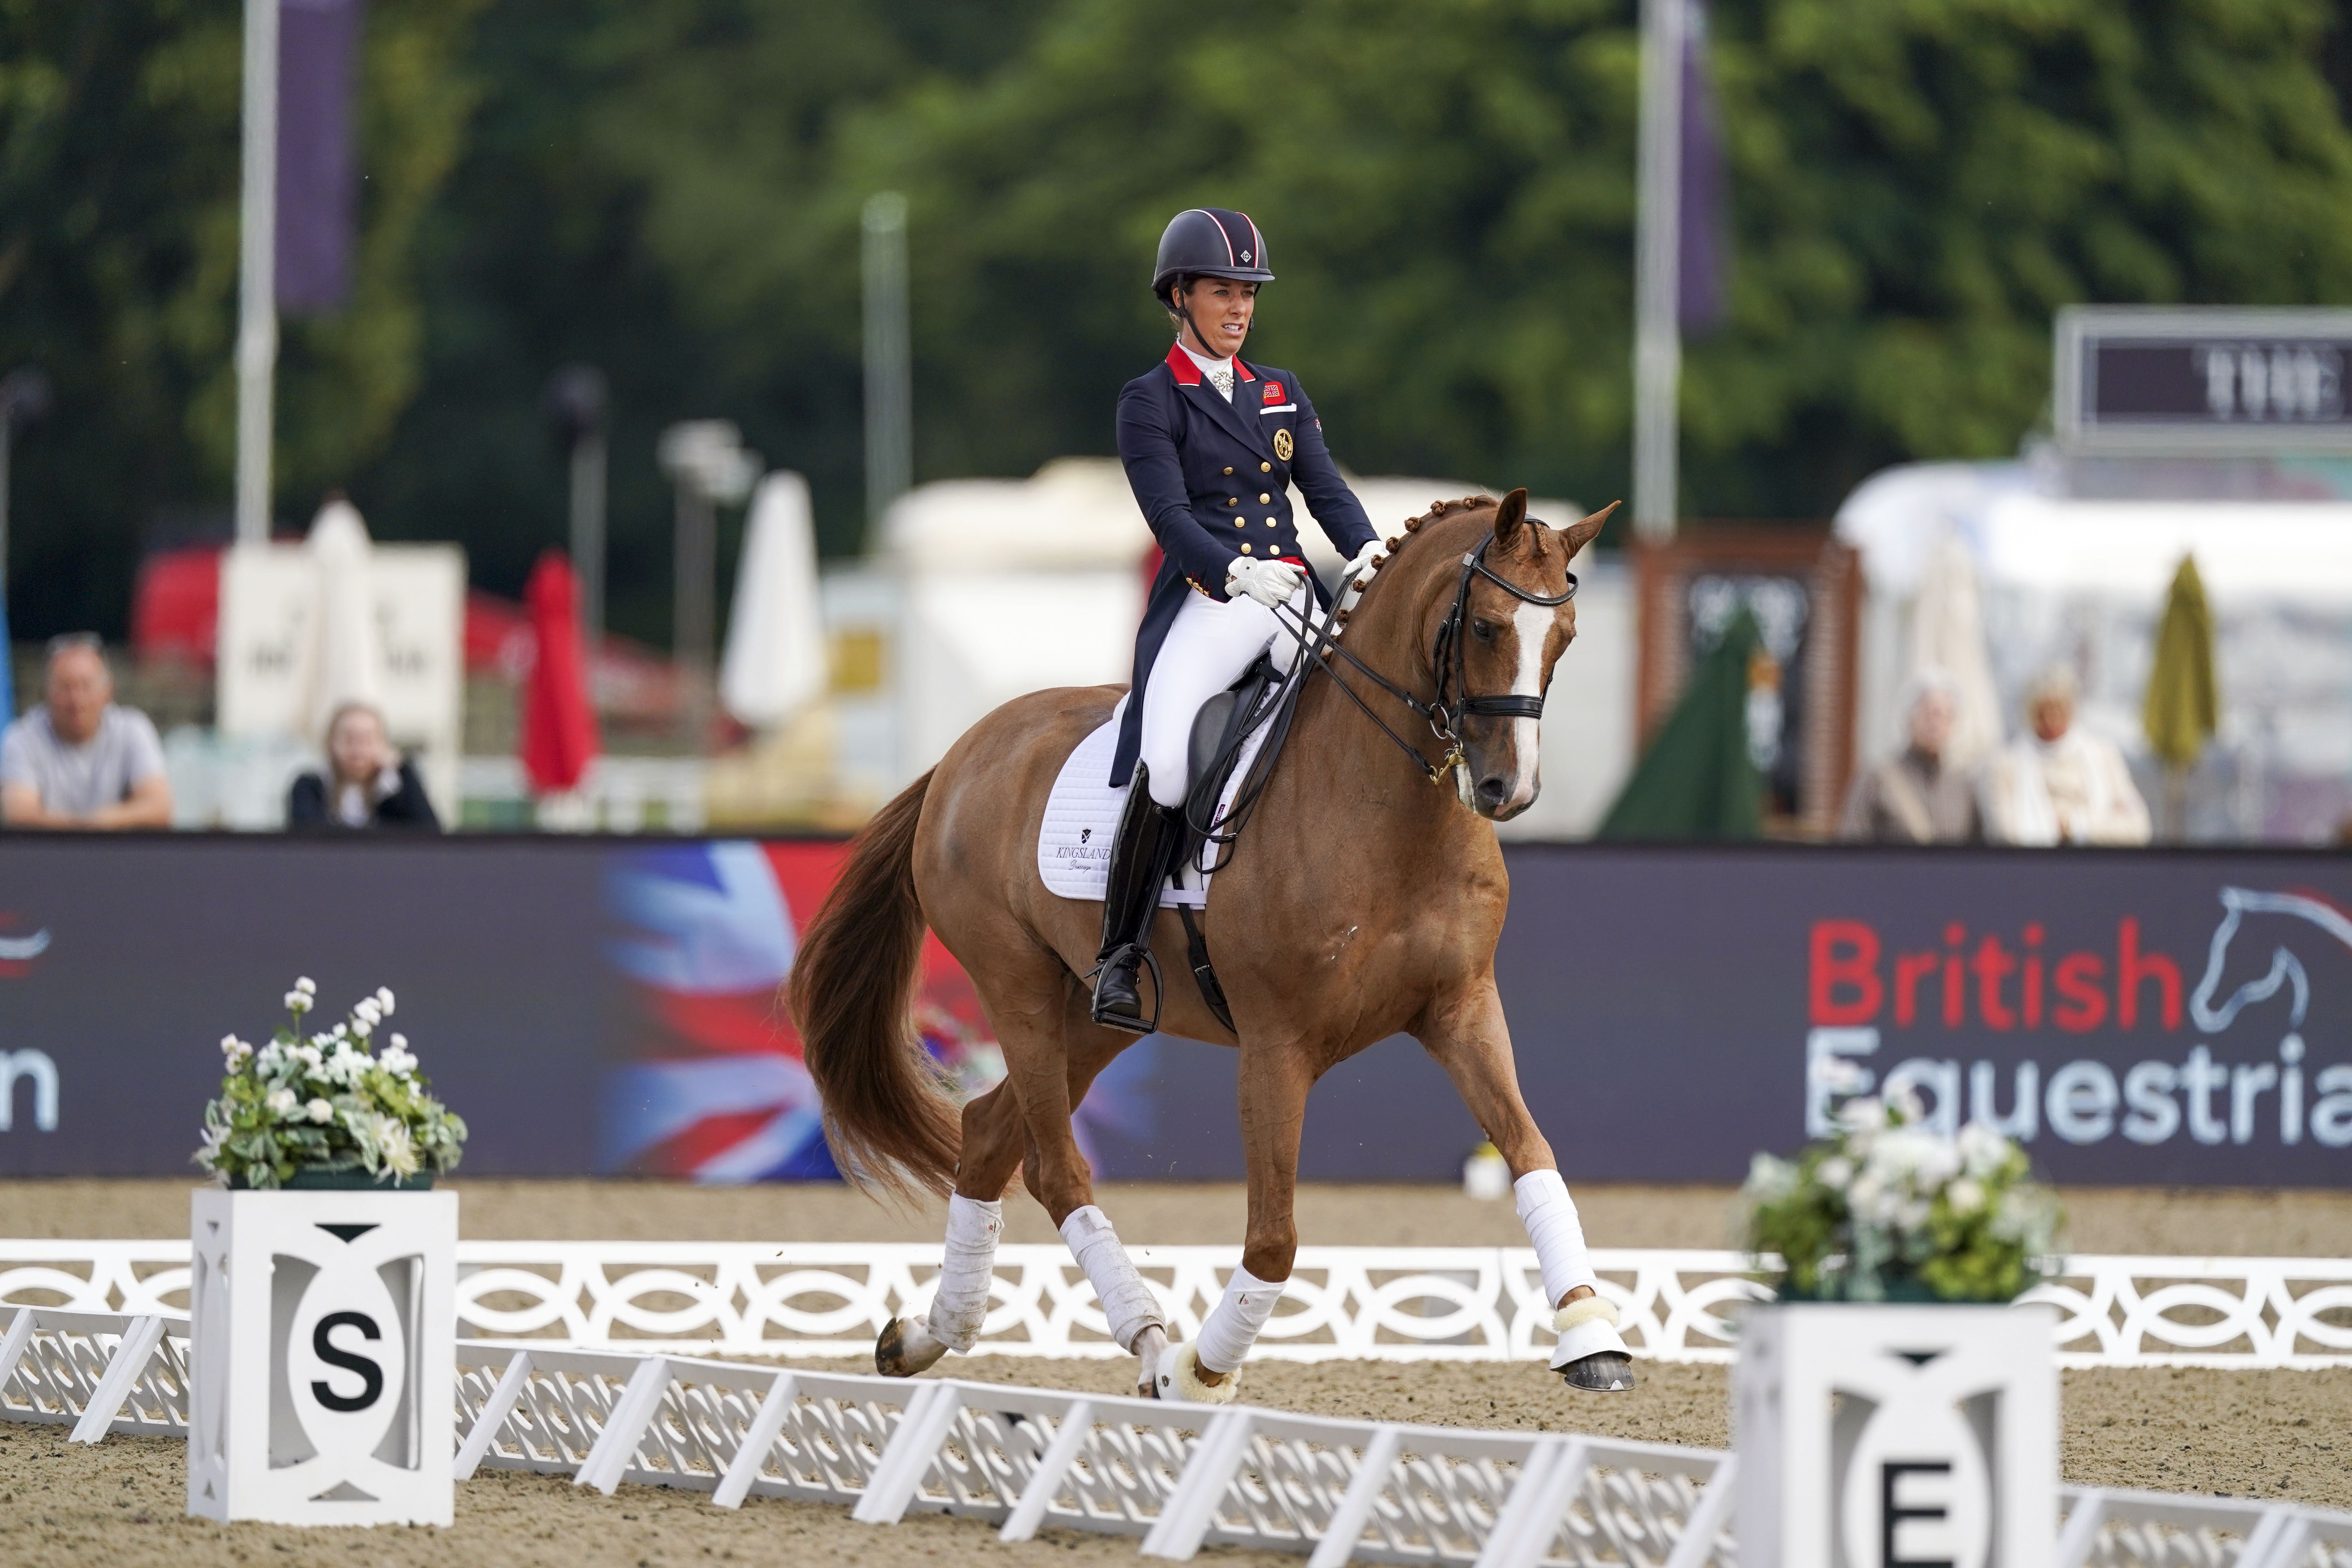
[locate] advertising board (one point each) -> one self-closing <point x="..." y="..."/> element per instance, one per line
<point x="610" y="1006"/>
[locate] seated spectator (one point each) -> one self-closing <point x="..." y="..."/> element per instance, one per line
<point x="78" y="761"/>
<point x="368" y="784"/>
<point x="1912" y="797"/>
<point x="2056" y="784"/>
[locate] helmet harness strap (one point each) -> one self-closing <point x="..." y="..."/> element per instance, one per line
<point x="1184" y="308"/>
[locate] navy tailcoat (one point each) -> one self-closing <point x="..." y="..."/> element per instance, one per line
<point x="1213" y="480"/>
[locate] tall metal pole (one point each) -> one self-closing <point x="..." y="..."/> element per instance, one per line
<point x="1658" y="334"/>
<point x="24" y="400"/>
<point x="575" y="405"/>
<point x="588" y="533"/>
<point x="8" y="439"/>
<point x="889" y="371"/>
<point x="695" y="562"/>
<point x="257" y="326"/>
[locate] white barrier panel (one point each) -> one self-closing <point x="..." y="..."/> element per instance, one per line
<point x="1178" y="1476"/>
<point x="1345" y="1302"/>
<point x="323" y="1324"/>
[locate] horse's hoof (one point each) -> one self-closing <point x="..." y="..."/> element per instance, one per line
<point x="905" y="1348"/>
<point x="1603" y="1371"/>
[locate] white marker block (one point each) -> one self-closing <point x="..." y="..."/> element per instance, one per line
<point x="1896" y="1437"/>
<point x="323" y="1356"/>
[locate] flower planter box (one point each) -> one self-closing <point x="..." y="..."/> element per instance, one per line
<point x="1880" y="1435"/>
<point x="322" y="1356"/>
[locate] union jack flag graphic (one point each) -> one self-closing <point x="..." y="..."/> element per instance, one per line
<point x="710" y="1085"/>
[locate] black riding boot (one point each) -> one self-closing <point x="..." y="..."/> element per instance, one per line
<point x="1149" y="837"/>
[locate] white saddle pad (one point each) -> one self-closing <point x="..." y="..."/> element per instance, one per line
<point x="1082" y="817"/>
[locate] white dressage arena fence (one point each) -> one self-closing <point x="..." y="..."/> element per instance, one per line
<point x="1178" y="1477"/>
<point x="1343" y="1302"/>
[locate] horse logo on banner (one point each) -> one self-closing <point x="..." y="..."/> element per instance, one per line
<point x="2285" y="970"/>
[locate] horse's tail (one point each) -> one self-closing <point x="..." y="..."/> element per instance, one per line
<point x="888" y="1113"/>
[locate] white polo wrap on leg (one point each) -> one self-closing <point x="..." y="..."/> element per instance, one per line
<point x="1550" y="1215"/>
<point x="960" y="1304"/>
<point x="1235" y="1323"/>
<point x="1127" y="1302"/>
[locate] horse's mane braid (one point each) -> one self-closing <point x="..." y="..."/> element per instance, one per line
<point x="1439" y="510"/>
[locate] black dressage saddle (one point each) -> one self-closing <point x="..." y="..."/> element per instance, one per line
<point x="1262" y="697"/>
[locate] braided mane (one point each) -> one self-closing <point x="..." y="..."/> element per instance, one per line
<point x="1438" y="510"/>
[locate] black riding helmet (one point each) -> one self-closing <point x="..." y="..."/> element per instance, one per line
<point x="1209" y="242"/>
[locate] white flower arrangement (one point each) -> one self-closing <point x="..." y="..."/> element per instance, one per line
<point x="326" y="1104"/>
<point x="1889" y="1208"/>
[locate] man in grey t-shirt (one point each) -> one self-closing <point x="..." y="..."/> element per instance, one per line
<point x="78" y="761"/>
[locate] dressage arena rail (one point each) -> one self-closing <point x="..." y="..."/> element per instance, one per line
<point x="1343" y="1302"/>
<point x="1181" y="1477"/>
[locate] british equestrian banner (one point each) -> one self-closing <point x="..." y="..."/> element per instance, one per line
<point x="609" y="1005"/>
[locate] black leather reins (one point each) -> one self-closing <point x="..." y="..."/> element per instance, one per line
<point x="1448" y="658"/>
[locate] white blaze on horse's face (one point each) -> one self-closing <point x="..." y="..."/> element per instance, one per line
<point x="1533" y="625"/>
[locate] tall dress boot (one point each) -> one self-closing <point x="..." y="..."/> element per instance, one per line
<point x="1149" y="837"/>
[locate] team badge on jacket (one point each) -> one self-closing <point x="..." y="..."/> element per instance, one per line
<point x="1282" y="445"/>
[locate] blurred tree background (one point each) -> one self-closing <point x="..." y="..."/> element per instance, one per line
<point x="670" y="189"/>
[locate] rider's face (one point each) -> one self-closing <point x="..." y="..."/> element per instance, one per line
<point x="1219" y="307"/>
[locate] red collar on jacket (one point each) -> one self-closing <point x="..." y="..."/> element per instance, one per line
<point x="1187" y="374"/>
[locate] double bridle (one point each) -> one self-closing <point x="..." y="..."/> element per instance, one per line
<point x="1448" y="658"/>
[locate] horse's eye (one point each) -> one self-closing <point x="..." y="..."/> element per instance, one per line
<point x="1482" y="630"/>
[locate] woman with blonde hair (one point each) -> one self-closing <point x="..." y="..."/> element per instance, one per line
<point x="367" y="783"/>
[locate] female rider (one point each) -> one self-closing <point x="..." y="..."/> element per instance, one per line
<point x="1211" y="447"/>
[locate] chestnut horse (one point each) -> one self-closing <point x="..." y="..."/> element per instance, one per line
<point x="1360" y="902"/>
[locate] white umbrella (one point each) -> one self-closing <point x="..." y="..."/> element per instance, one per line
<point x="346" y="647"/>
<point x="775" y="660"/>
<point x="1948" y="635"/>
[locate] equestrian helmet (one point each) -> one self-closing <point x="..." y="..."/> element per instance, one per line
<point x="1210" y="242"/>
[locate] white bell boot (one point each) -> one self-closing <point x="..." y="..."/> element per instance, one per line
<point x="1591" y="1354"/>
<point x="1180" y="1379"/>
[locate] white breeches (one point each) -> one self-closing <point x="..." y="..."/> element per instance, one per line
<point x="1206" y="651"/>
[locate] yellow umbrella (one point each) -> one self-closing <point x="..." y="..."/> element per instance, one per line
<point x="2181" y="709"/>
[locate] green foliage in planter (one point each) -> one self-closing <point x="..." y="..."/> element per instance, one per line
<point x="327" y="1103"/>
<point x="1888" y="1205"/>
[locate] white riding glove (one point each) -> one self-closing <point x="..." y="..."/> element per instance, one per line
<point x="1270" y="583"/>
<point x="1361" y="566"/>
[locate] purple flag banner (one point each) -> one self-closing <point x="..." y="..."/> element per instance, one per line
<point x="318" y="174"/>
<point x="1702" y="287"/>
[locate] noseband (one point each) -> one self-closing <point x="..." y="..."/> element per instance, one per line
<point x="1450" y="660"/>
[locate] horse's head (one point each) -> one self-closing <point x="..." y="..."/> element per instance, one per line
<point x="1507" y="644"/>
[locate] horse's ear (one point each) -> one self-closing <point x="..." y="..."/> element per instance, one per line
<point x="1509" y="517"/>
<point x="1580" y="534"/>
